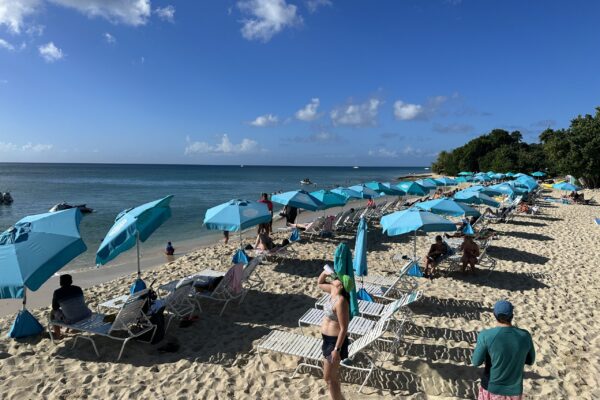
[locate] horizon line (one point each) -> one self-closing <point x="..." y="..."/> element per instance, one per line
<point x="217" y="165"/>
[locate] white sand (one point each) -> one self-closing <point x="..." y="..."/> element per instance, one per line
<point x="547" y="266"/>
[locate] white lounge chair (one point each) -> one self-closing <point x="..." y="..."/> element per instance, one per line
<point x="130" y="323"/>
<point x="382" y="286"/>
<point x="308" y="348"/>
<point x="178" y="303"/>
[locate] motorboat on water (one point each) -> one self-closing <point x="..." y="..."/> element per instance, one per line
<point x="64" y="206"/>
<point x="307" y="181"/>
<point x="6" y="198"/>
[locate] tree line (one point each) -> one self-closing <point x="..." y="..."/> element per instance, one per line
<point x="574" y="150"/>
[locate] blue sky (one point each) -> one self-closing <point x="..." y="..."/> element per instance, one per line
<point x="319" y="82"/>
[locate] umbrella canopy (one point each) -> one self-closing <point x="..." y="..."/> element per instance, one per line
<point x="502" y="188"/>
<point x="330" y="199"/>
<point x="519" y="174"/>
<point x="510" y="174"/>
<point x="498" y="176"/>
<point x="393" y="190"/>
<point x="566" y="186"/>
<point x="411" y="220"/>
<point x="462" y="179"/>
<point x="236" y="215"/>
<point x="489" y="190"/>
<point x="379" y="187"/>
<point x="349" y="193"/>
<point x="528" y="182"/>
<point x="445" y="181"/>
<point x="35" y="248"/>
<point x="426" y="184"/>
<point x="412" y="188"/>
<point x="360" y="249"/>
<point x="538" y="174"/>
<point x="465" y="173"/>
<point x="299" y="199"/>
<point x="365" y="192"/>
<point x="471" y="197"/>
<point x="482" y="178"/>
<point x="131" y="226"/>
<point x="490" y="173"/>
<point x="447" y="207"/>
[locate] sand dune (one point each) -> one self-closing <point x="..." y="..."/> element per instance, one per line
<point x="547" y="266"/>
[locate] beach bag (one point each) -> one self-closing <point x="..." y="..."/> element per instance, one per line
<point x="158" y="319"/>
<point x="362" y="294"/>
<point x="295" y="236"/>
<point x="240" y="257"/>
<point x="415" y="271"/>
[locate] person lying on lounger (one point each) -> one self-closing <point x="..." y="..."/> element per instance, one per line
<point x="265" y="243"/>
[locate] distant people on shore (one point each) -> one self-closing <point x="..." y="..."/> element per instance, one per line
<point x="371" y="203"/>
<point x="68" y="304"/>
<point x="225" y="237"/>
<point x="505" y="350"/>
<point x="290" y="213"/>
<point x="264" y="198"/>
<point x="169" y="250"/>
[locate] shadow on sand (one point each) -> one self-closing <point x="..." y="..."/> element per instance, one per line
<point x="528" y="236"/>
<point x="451" y="308"/>
<point x="515" y="255"/>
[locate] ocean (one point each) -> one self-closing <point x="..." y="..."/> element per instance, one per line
<point x="110" y="188"/>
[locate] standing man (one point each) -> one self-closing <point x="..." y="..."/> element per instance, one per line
<point x="264" y="198"/>
<point x="505" y="349"/>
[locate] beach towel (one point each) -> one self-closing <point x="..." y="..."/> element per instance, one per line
<point x="240" y="256"/>
<point x="342" y="266"/>
<point x="234" y="276"/>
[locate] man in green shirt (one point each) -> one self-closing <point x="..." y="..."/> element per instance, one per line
<point x="505" y="350"/>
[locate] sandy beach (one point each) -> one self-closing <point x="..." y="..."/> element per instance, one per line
<point x="546" y="266"/>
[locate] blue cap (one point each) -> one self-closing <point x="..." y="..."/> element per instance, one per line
<point x="503" y="307"/>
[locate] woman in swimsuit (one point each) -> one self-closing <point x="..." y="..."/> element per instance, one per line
<point x="334" y="330"/>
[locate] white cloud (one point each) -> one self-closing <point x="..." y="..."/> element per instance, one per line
<point x="110" y="39"/>
<point x="14" y="12"/>
<point x="364" y="114"/>
<point x="6" y="45"/>
<point x="166" y="13"/>
<point x="225" y="146"/>
<point x="266" y="18"/>
<point x="35" y="30"/>
<point x="405" y="111"/>
<point x="314" y="5"/>
<point x="129" y="12"/>
<point x="265" y="120"/>
<point x="309" y="112"/>
<point x="29" y="147"/>
<point x="50" y="52"/>
<point x="36" y="148"/>
<point x="383" y="152"/>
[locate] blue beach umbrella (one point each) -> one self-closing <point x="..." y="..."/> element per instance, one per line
<point x="445" y="181"/>
<point x="538" y="174"/>
<point x="490" y="173"/>
<point x="393" y="190"/>
<point x="503" y="188"/>
<point x="498" y="176"/>
<point x="412" y="188"/>
<point x="236" y="215"/>
<point x="471" y="197"/>
<point x="465" y="173"/>
<point x="462" y="179"/>
<point x="360" y="249"/>
<point x="413" y="220"/>
<point x="132" y="226"/>
<point x="31" y="252"/>
<point x="566" y="186"/>
<point x="447" y="207"/>
<point x="379" y="187"/>
<point x="484" y="189"/>
<point x="426" y="184"/>
<point x="365" y="191"/>
<point x="433" y="182"/>
<point x="482" y="178"/>
<point x="349" y="193"/>
<point x="330" y="199"/>
<point x="299" y="199"/>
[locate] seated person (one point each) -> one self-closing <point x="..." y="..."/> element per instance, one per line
<point x="436" y="252"/>
<point x="470" y="255"/>
<point x="523" y="208"/>
<point x="459" y="229"/>
<point x="170" y="250"/>
<point x="68" y="304"/>
<point x="265" y="243"/>
<point x="371" y="203"/>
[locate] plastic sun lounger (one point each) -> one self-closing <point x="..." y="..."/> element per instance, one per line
<point x="360" y="326"/>
<point x="392" y="280"/>
<point x="308" y="348"/>
<point x="129" y="323"/>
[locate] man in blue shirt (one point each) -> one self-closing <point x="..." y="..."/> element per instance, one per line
<point x="68" y="303"/>
<point x="505" y="349"/>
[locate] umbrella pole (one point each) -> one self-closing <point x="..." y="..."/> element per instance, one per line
<point x="415" y="247"/>
<point x="241" y="241"/>
<point x="137" y="245"/>
<point x="24" y="307"/>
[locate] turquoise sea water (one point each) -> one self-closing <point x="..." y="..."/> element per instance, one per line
<point x="110" y="188"/>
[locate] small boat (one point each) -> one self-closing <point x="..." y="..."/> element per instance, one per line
<point x="306" y="181"/>
<point x="6" y="198"/>
<point x="64" y="206"/>
<point x="355" y="167"/>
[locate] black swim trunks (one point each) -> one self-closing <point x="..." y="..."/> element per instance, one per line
<point x="329" y="344"/>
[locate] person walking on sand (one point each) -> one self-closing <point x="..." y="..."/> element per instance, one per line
<point x="264" y="198"/>
<point x="505" y="349"/>
<point x="334" y="331"/>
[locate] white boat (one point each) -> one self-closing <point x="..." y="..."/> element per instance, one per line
<point x="355" y="167"/>
<point x="307" y="181"/>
